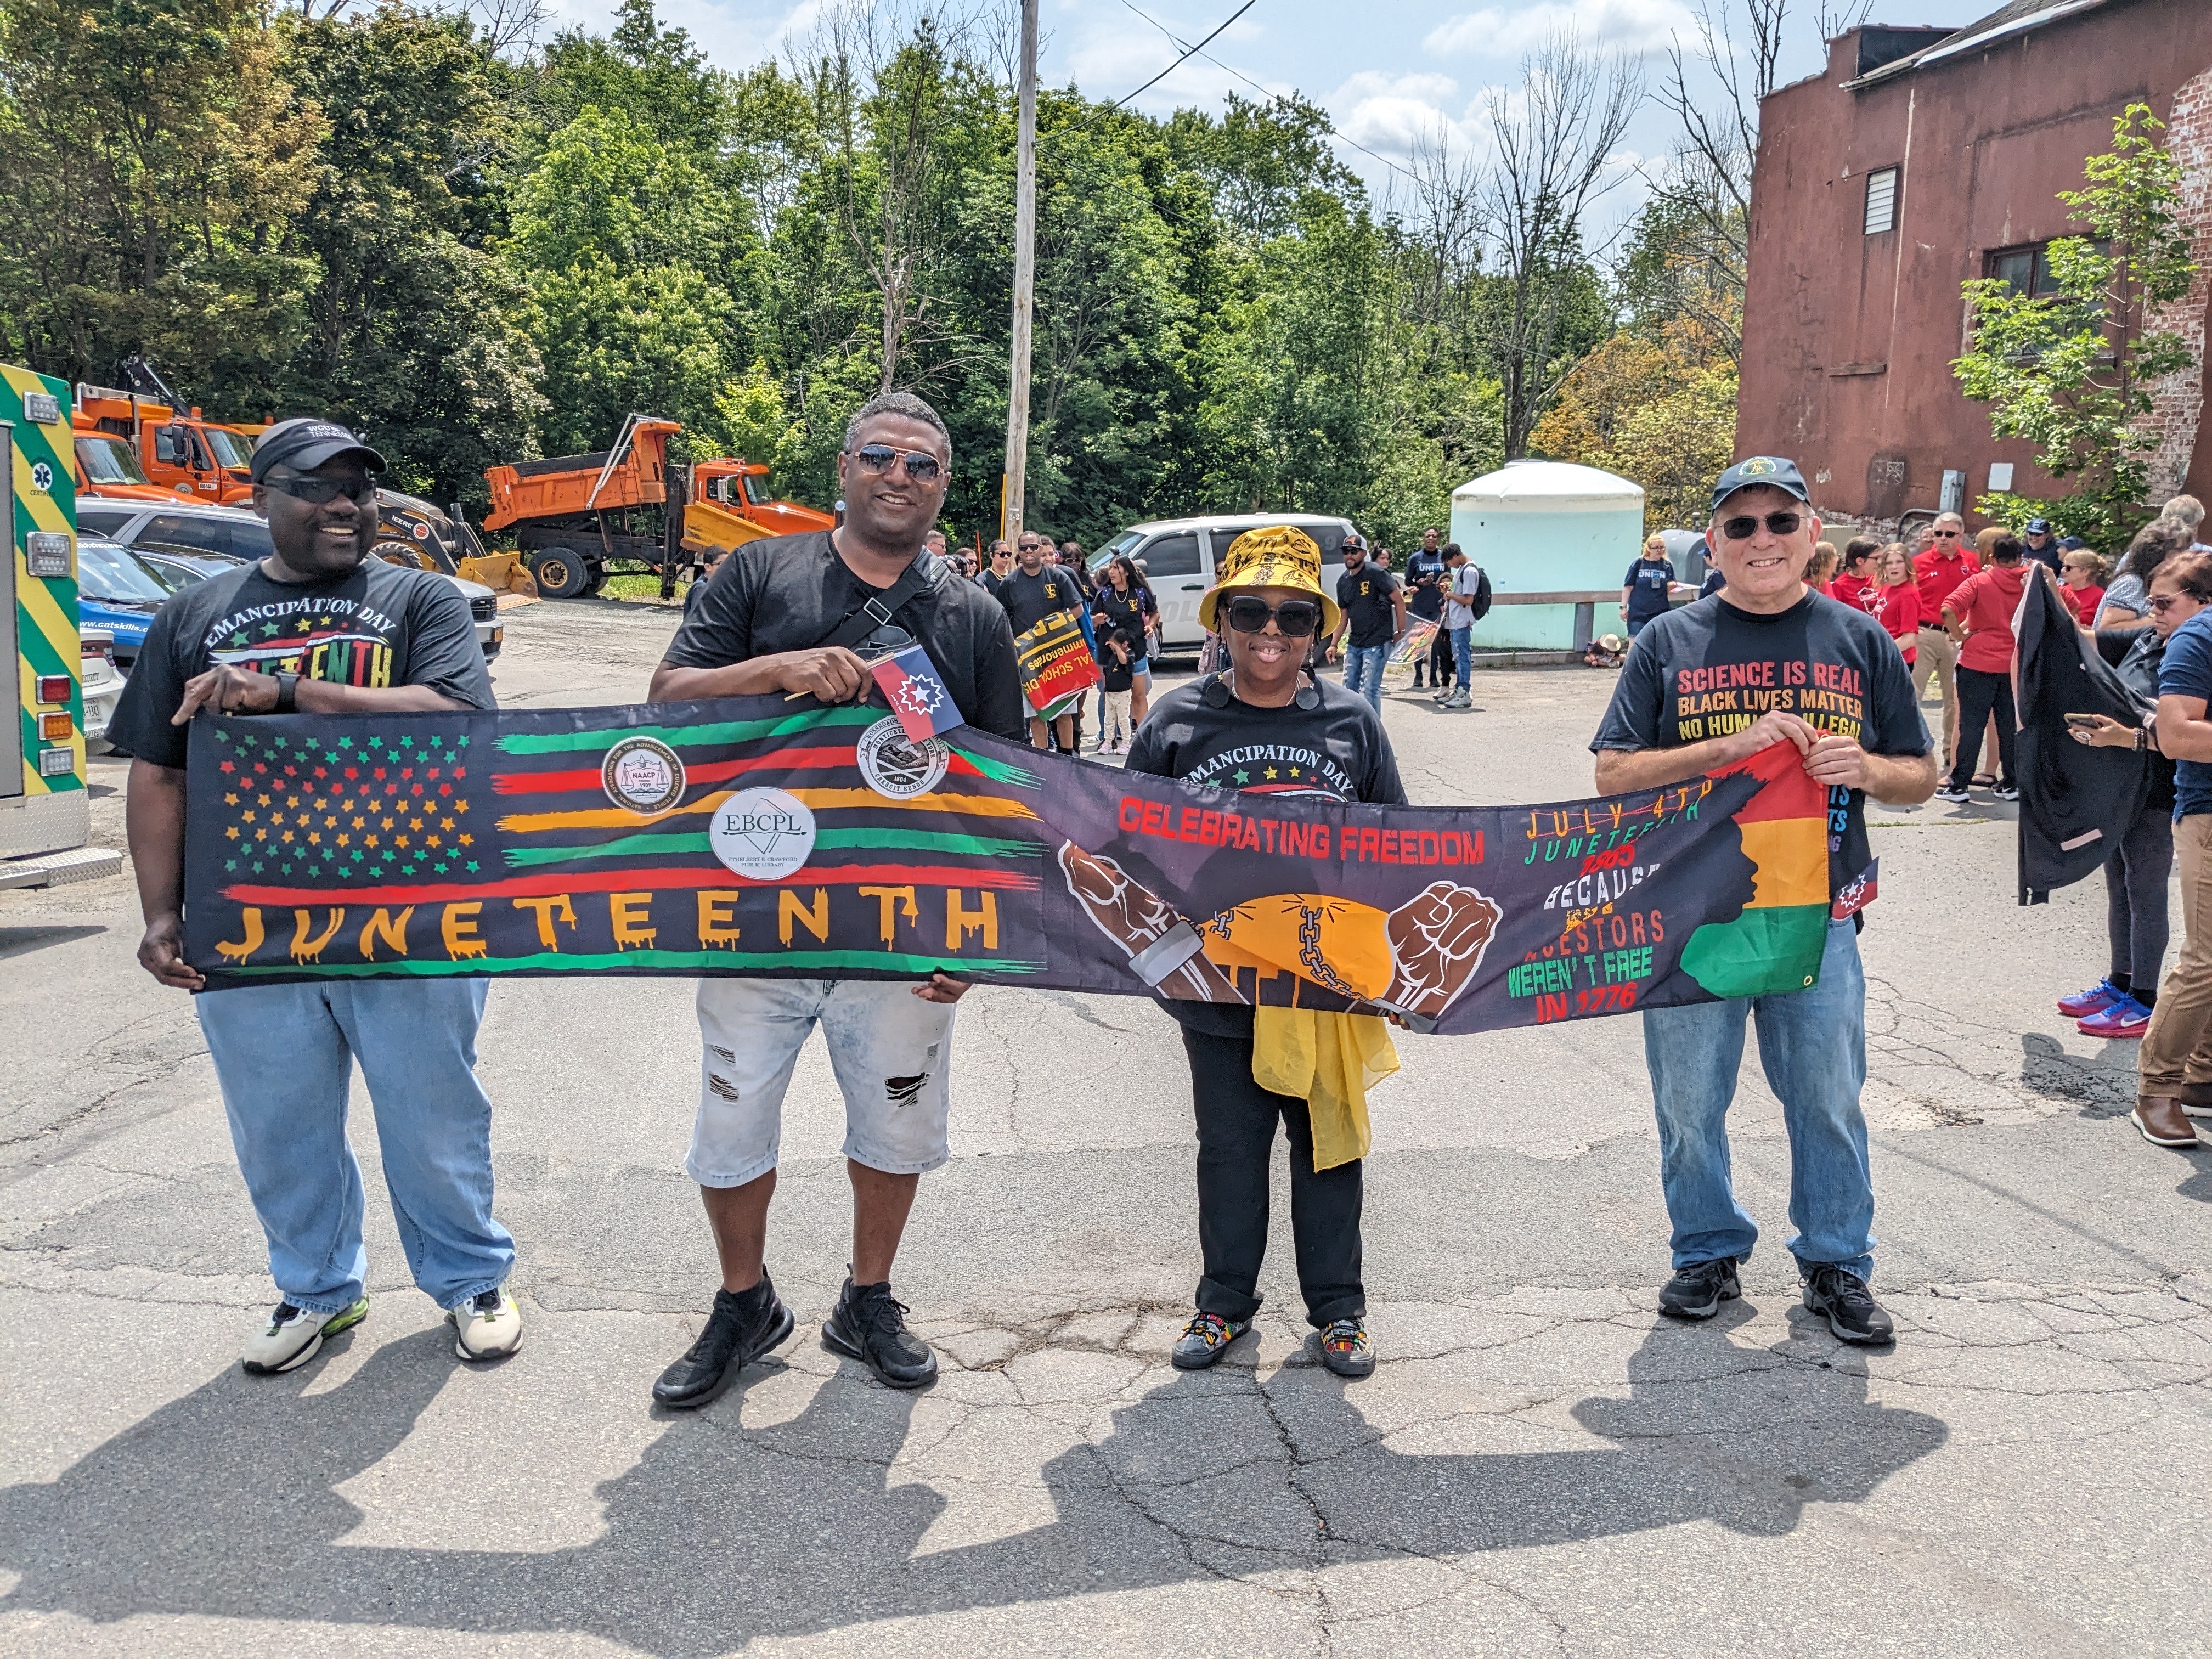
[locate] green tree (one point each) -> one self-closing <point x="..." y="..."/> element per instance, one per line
<point x="2073" y="372"/>
<point x="152" y="161"/>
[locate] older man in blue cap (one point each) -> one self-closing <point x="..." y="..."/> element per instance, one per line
<point x="322" y="627"/>
<point x="1766" y="661"/>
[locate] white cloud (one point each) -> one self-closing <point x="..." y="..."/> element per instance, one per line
<point x="1632" y="26"/>
<point x="1394" y="115"/>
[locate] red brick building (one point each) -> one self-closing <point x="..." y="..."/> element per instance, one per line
<point x="1923" y="157"/>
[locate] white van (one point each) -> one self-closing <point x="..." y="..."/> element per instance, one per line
<point x="1178" y="557"/>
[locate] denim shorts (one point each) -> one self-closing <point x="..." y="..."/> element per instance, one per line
<point x="891" y="1053"/>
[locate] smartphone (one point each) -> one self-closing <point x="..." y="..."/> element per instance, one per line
<point x="2088" y="722"/>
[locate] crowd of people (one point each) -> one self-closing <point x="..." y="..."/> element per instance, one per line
<point x="801" y="615"/>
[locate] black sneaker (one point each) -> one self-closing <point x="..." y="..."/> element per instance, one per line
<point x="1698" y="1291"/>
<point x="1848" y="1307"/>
<point x="869" y="1323"/>
<point x="740" y="1330"/>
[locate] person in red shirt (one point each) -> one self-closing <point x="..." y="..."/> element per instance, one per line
<point x="1854" y="581"/>
<point x="1893" y="598"/>
<point x="1945" y="563"/>
<point x="2083" y="574"/>
<point x="1978" y="613"/>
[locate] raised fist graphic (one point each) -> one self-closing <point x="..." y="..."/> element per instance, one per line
<point x="1143" y="924"/>
<point x="1437" y="941"/>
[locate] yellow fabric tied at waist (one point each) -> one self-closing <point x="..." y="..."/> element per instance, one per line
<point x="1329" y="1061"/>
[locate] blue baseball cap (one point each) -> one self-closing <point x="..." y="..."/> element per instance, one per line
<point x="1761" y="470"/>
<point x="2036" y="527"/>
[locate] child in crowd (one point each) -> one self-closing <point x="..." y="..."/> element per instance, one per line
<point x="1114" y="728"/>
<point x="2083" y="573"/>
<point x="1893" y="599"/>
<point x="1855" y="583"/>
<point x="1822" y="570"/>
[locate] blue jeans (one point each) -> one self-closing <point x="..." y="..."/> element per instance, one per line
<point x="1363" y="671"/>
<point x="1463" y="643"/>
<point x="1812" y="1045"/>
<point x="284" y="1056"/>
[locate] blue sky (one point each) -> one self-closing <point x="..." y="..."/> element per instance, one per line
<point x="1388" y="71"/>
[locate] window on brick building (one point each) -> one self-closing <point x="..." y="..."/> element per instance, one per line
<point x="2027" y="269"/>
<point x="1881" y="201"/>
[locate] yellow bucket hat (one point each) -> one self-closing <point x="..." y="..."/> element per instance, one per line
<point x="1276" y="556"/>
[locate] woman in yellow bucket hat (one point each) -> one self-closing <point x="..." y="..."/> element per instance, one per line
<point x="1264" y="726"/>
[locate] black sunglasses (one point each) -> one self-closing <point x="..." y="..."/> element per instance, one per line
<point x="1744" y="526"/>
<point x="316" y="491"/>
<point x="1296" y="618"/>
<point x="920" y="467"/>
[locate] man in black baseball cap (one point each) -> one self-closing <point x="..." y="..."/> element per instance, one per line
<point x="1766" y="661"/>
<point x="319" y="626"/>
<point x="2041" y="543"/>
<point x="305" y="443"/>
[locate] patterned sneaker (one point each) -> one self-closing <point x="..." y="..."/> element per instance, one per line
<point x="2125" y="1018"/>
<point x="293" y="1336"/>
<point x="1345" y="1349"/>
<point x="1205" y="1339"/>
<point x="487" y="1327"/>
<point x="2094" y="1000"/>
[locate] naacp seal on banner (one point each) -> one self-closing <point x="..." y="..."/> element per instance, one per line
<point x="895" y="766"/>
<point x="763" y="835"/>
<point x="642" y="774"/>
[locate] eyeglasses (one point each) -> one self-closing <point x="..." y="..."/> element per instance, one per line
<point x="1295" y="619"/>
<point x="920" y="467"/>
<point x="2162" y="603"/>
<point x="316" y="491"/>
<point x="1947" y="535"/>
<point x="1745" y="527"/>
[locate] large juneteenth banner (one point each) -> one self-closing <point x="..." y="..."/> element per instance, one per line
<point x="758" y="837"/>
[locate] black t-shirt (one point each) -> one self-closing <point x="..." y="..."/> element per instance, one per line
<point x="1030" y="599"/>
<point x="1122" y="612"/>
<point x="1335" y="750"/>
<point x="1364" y="596"/>
<point x="1649" y="582"/>
<point x="1424" y="584"/>
<point x="380" y="626"/>
<point x="791" y="592"/>
<point x="1710" y="669"/>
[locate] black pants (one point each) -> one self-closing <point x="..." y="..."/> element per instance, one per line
<point x="1236" y="1122"/>
<point x="1980" y="694"/>
<point x="1443" y="668"/>
<point x="2134" y="896"/>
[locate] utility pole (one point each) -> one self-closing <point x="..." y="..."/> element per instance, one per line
<point x="1017" y="391"/>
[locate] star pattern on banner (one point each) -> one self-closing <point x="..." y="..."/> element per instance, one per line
<point x="326" y="810"/>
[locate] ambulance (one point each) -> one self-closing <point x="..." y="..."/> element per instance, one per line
<point x="45" y="812"/>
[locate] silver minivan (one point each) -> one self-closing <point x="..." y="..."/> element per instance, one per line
<point x="1178" y="557"/>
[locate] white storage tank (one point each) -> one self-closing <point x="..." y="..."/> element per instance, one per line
<point x="1547" y="527"/>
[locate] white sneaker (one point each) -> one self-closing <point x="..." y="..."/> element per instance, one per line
<point x="293" y="1336"/>
<point x="1459" y="700"/>
<point x="488" y="1326"/>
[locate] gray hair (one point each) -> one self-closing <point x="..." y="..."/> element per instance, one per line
<point x="2187" y="509"/>
<point x="897" y="402"/>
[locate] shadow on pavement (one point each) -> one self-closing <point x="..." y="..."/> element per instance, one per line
<point x="222" y="1502"/>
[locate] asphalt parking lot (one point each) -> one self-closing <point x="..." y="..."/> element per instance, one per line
<point x="1541" y="1465"/>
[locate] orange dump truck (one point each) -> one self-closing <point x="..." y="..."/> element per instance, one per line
<point x="579" y="517"/>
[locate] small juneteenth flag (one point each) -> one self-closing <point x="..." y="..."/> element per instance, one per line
<point x="916" y="693"/>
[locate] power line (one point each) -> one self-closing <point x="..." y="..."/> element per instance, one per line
<point x="1191" y="51"/>
<point x="1189" y="54"/>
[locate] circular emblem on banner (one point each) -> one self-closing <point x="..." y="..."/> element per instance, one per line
<point x="642" y="774"/>
<point x="898" y="767"/>
<point x="761" y="834"/>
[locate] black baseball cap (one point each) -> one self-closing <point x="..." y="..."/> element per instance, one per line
<point x="1761" y="470"/>
<point x="1351" y="539"/>
<point x="305" y="443"/>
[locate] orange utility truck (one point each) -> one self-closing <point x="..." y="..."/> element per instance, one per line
<point x="579" y="517"/>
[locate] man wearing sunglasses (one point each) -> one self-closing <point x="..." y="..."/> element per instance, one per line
<point x="1037" y="589"/>
<point x="321" y="627"/>
<point x="1766" y="661"/>
<point x="1266" y="726"/>
<point x="1947" y="559"/>
<point x="803" y="614"/>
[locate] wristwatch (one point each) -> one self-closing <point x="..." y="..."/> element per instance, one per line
<point x="287" y="685"/>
